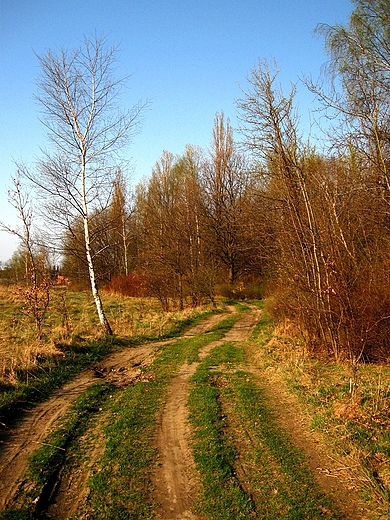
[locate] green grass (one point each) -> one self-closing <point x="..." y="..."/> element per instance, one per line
<point x="226" y="324"/>
<point x="282" y="484"/>
<point x="223" y="496"/>
<point x="57" y="452"/>
<point x="293" y="490"/>
<point x="118" y="487"/>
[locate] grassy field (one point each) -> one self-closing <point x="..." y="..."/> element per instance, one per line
<point x="31" y="368"/>
<point x="72" y="322"/>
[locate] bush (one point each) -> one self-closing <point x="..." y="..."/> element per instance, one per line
<point x="241" y="291"/>
<point x="133" y="284"/>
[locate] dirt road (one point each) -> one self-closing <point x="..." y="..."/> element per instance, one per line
<point x="175" y="479"/>
<point x="20" y="440"/>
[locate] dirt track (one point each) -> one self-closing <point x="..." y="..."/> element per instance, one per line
<point x="29" y="433"/>
<point x="20" y="440"/>
<point x="175" y="480"/>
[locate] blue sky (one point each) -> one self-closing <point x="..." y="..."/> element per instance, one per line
<point x="188" y="57"/>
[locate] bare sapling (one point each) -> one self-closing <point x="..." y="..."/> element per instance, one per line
<point x="36" y="291"/>
<point x="37" y="300"/>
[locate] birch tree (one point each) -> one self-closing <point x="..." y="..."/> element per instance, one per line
<point x="78" y="93"/>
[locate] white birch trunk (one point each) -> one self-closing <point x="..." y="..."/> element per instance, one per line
<point x="91" y="270"/>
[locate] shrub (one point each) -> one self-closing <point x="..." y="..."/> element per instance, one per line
<point x="127" y="285"/>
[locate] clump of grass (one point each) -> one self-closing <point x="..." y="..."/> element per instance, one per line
<point x="19" y="346"/>
<point x="226" y="324"/>
<point x="119" y="485"/>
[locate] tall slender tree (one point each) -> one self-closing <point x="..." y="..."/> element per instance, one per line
<point x="119" y="215"/>
<point x="78" y="94"/>
<point x="226" y="181"/>
<point x="270" y="127"/>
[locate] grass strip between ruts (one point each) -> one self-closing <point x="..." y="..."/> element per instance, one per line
<point x="282" y="484"/>
<point x="223" y="496"/>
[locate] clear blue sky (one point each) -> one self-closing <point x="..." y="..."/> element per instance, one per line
<point x="189" y="57"/>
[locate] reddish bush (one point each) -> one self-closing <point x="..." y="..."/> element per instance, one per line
<point x="127" y="285"/>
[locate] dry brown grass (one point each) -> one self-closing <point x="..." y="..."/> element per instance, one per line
<point x="19" y="346"/>
<point x="72" y="318"/>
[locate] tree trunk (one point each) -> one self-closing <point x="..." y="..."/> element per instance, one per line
<point x="125" y="256"/>
<point x="95" y="292"/>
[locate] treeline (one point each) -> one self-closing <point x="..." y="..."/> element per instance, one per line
<point x="270" y="215"/>
<point x="184" y="231"/>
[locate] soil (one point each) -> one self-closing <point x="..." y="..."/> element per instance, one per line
<point x="21" y="439"/>
<point x="175" y="479"/>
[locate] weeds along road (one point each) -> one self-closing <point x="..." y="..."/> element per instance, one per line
<point x="178" y="429"/>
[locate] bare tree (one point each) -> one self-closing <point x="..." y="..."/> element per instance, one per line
<point x="358" y="85"/>
<point x="226" y="182"/>
<point x="20" y="201"/>
<point x="119" y="216"/>
<point x="37" y="291"/>
<point x="270" y="128"/>
<point x="78" y="94"/>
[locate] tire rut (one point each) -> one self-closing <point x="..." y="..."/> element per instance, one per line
<point x="19" y="441"/>
<point x="176" y="481"/>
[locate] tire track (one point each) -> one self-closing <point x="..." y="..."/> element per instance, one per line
<point x="175" y="480"/>
<point x="19" y="441"/>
